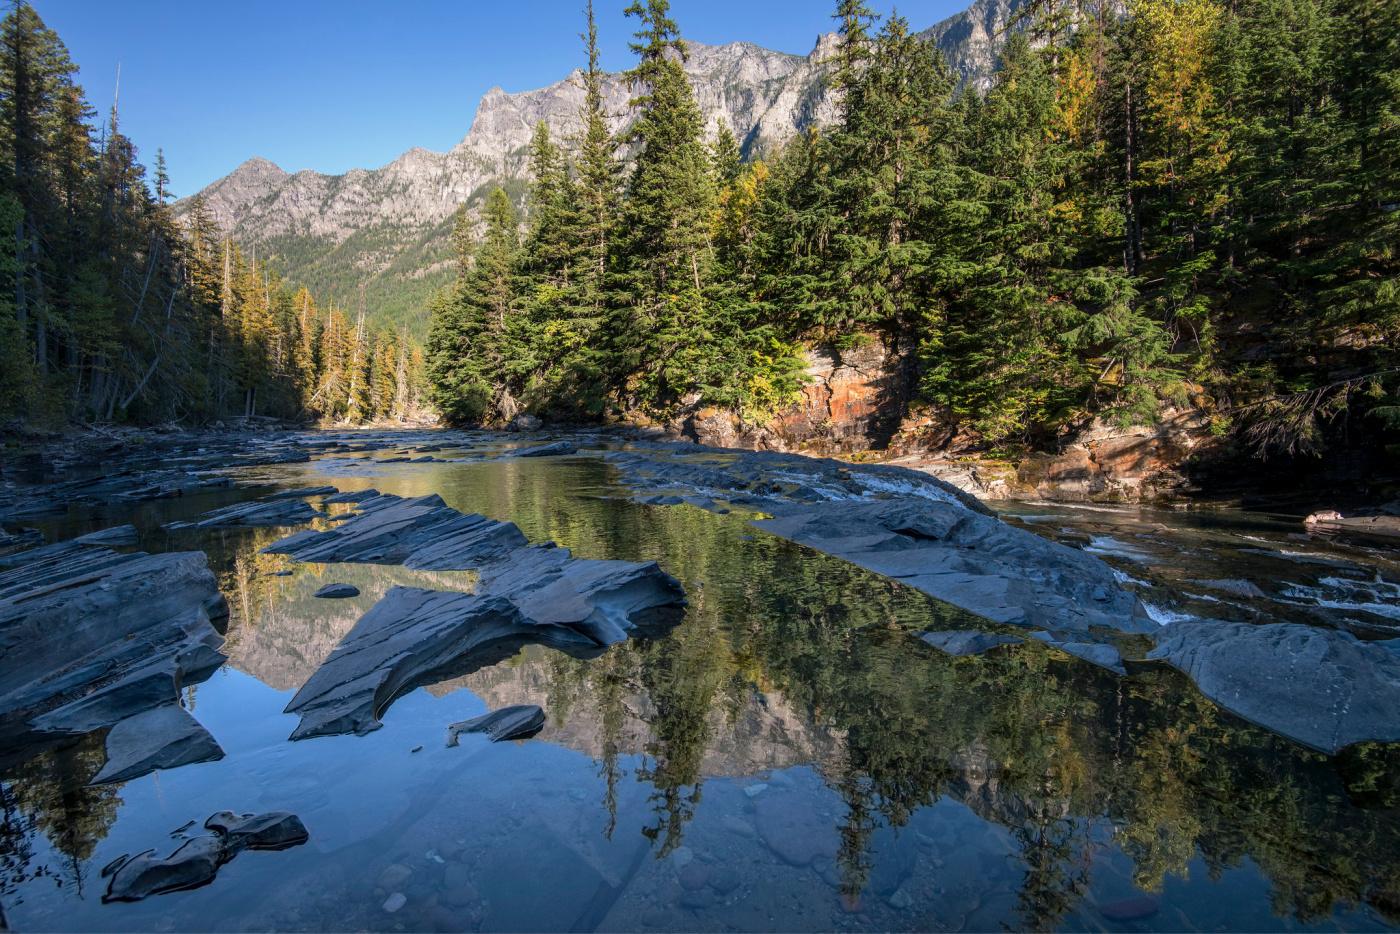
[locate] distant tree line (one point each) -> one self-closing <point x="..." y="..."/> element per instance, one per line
<point x="111" y="310"/>
<point x="1156" y="202"/>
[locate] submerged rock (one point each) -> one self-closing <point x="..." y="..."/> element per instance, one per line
<point x="1320" y="687"/>
<point x="519" y="721"/>
<point x="162" y="738"/>
<point x="118" y="535"/>
<point x="91" y="637"/>
<point x="196" y="862"/>
<point x="422" y="533"/>
<point x="967" y="641"/>
<point x="977" y="562"/>
<point x="337" y="591"/>
<point x="263" y="513"/>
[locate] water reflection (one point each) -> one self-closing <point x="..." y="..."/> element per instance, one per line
<point x="789" y="757"/>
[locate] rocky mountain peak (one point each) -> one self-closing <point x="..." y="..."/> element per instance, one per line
<point x="384" y="233"/>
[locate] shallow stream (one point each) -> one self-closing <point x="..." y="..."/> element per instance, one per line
<point x="790" y="757"/>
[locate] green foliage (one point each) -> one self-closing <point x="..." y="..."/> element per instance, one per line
<point x="1170" y="202"/>
<point x="112" y="311"/>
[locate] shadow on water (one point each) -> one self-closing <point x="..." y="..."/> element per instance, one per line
<point x="789" y="757"/>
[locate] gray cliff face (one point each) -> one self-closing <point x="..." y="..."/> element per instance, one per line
<point x="388" y="227"/>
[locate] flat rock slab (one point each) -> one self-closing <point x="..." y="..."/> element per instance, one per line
<point x="556" y="449"/>
<point x="422" y="533"/>
<point x="1320" y="687"/>
<point x="301" y="493"/>
<point x="196" y="862"/>
<point x="973" y="561"/>
<point x="162" y="738"/>
<point x="118" y="535"/>
<point x="519" y="721"/>
<point x="1095" y="653"/>
<point x="967" y="641"/>
<point x="91" y="637"/>
<point x="337" y="591"/>
<point x="352" y="497"/>
<point x="260" y="513"/>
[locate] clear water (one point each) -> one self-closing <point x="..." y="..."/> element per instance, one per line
<point x="789" y="758"/>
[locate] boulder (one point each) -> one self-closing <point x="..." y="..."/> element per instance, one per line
<point x="967" y="641"/>
<point x="1322" y="688"/>
<point x="519" y="721"/>
<point x="524" y="422"/>
<point x="337" y="591"/>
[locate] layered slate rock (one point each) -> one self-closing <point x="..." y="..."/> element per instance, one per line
<point x="196" y="861"/>
<point x="967" y="641"/>
<point x="1323" y="688"/>
<point x="118" y="535"/>
<point x="413" y="637"/>
<point x="259" y="513"/>
<point x="526" y="594"/>
<point x="90" y="638"/>
<point x="422" y="533"/>
<point x="518" y="721"/>
<point x="971" y="560"/>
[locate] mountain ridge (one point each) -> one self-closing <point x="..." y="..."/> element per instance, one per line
<point x="378" y="239"/>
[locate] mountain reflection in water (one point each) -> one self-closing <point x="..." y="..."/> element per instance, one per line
<point x="789" y="757"/>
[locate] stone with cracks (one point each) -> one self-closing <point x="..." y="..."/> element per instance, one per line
<point x="519" y="721"/>
<point x="1320" y="687"/>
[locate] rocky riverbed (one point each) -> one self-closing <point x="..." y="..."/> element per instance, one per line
<point x="838" y="654"/>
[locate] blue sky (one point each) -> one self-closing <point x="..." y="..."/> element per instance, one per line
<point x="313" y="84"/>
